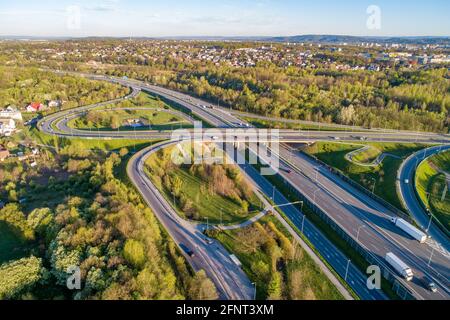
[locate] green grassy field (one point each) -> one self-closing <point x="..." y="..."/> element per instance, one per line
<point x="151" y="120"/>
<point x="201" y="192"/>
<point x="302" y="278"/>
<point x="367" y="156"/>
<point x="442" y="161"/>
<point x="382" y="177"/>
<point x="431" y="185"/>
<point x="218" y="209"/>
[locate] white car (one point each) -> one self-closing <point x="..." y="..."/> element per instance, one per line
<point x="406" y="181"/>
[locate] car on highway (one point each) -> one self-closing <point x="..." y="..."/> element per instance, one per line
<point x="286" y="170"/>
<point x="208" y="240"/>
<point x="429" y="284"/>
<point x="406" y="181"/>
<point x="186" y="250"/>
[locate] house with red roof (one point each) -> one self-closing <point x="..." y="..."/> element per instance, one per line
<point x="35" y="107"/>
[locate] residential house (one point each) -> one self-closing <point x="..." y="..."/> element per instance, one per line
<point x="11" y="113"/>
<point x="7" y="127"/>
<point x="55" y="104"/>
<point x="35" y="107"/>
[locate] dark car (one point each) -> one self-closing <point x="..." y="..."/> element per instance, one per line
<point x="429" y="284"/>
<point x="208" y="240"/>
<point x="188" y="251"/>
<point x="287" y="170"/>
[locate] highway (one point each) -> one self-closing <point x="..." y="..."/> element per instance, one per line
<point x="360" y="216"/>
<point x="334" y="257"/>
<point x="412" y="203"/>
<point x="367" y="222"/>
<point x="230" y="280"/>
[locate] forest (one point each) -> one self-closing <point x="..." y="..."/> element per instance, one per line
<point x="76" y="213"/>
<point x="405" y="99"/>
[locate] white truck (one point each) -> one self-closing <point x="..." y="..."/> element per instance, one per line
<point x="402" y="268"/>
<point x="410" y="229"/>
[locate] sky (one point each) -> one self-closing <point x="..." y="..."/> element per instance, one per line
<point x="157" y="18"/>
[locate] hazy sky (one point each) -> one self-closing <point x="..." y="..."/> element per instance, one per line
<point x="220" y="18"/>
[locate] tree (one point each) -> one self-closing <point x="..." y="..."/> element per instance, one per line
<point x="40" y="220"/>
<point x="114" y="122"/>
<point x="123" y="152"/>
<point x="133" y="252"/>
<point x="19" y="275"/>
<point x="202" y="288"/>
<point x="12" y="215"/>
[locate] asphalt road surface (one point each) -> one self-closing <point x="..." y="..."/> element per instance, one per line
<point x="412" y="203"/>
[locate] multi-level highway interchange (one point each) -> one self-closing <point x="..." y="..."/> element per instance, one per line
<point x="362" y="218"/>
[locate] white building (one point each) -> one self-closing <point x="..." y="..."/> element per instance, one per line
<point x="55" y="104"/>
<point x="7" y="127"/>
<point x="11" y="113"/>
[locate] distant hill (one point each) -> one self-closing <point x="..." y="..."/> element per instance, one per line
<point x="324" y="39"/>
<point x="355" y="39"/>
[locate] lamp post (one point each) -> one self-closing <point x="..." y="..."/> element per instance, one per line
<point x="207" y="223"/>
<point x="254" y="292"/>
<point x="346" y="271"/>
<point x="374" y="184"/>
<point x="303" y="223"/>
<point x="429" y="223"/>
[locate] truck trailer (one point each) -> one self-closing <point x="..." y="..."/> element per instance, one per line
<point x="410" y="229"/>
<point x="402" y="268"/>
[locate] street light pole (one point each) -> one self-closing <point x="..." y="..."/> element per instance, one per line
<point x="254" y="294"/>
<point x="303" y="223"/>
<point x="374" y="184"/>
<point x="346" y="271"/>
<point x="429" y="223"/>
